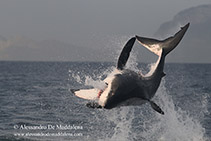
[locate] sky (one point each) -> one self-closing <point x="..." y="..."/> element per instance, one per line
<point x="88" y="23"/>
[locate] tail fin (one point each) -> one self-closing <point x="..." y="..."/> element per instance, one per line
<point x="167" y="45"/>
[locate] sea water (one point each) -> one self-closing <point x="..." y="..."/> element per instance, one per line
<point x="36" y="104"/>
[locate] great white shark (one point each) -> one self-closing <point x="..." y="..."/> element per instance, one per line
<point x="126" y="87"/>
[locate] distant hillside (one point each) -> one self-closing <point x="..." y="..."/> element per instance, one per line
<point x="199" y="17"/>
<point x="195" y="46"/>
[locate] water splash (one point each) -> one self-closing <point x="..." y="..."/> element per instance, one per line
<point x="143" y="123"/>
<point x="99" y="84"/>
<point x="95" y="81"/>
<point x="76" y="76"/>
<point x="175" y="125"/>
<point x="122" y="119"/>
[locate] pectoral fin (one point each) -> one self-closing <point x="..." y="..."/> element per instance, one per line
<point x="125" y="54"/>
<point x="90" y="94"/>
<point x="156" y="107"/>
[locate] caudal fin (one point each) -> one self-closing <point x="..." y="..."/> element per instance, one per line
<point x="167" y="45"/>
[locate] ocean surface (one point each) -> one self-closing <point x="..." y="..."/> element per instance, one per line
<point x="36" y="104"/>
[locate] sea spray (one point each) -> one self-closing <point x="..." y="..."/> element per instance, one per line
<point x="121" y="118"/>
<point x="175" y="125"/>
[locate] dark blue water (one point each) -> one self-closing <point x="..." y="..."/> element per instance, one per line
<point x="36" y="104"/>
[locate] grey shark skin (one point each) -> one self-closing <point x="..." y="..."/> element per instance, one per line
<point x="131" y="88"/>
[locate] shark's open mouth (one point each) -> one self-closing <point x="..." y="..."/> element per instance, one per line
<point x="99" y="93"/>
